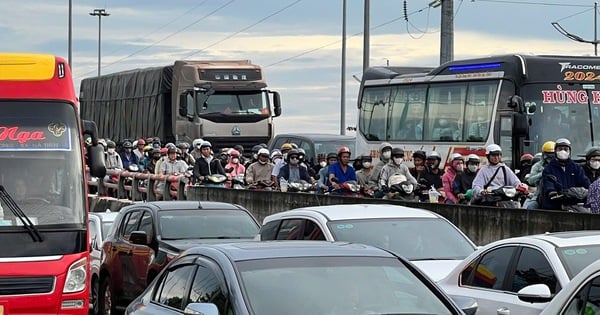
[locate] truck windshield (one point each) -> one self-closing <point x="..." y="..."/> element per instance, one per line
<point x="41" y="165"/>
<point x="233" y="104"/>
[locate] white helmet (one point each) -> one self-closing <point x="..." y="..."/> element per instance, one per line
<point x="197" y="142"/>
<point x="263" y="151"/>
<point x="493" y="149"/>
<point x="456" y="156"/>
<point x="473" y="158"/>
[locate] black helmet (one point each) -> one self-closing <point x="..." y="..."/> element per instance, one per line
<point x="111" y="144"/>
<point x="420" y="155"/>
<point x="239" y="148"/>
<point x="127" y="144"/>
<point x="292" y="152"/>
<point x="397" y="151"/>
<point x="255" y="148"/>
<point x="171" y="149"/>
<point x="591" y="153"/>
<point x="331" y="155"/>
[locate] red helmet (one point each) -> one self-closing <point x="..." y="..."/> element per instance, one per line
<point x="234" y="153"/>
<point x="343" y="150"/>
<point x="526" y="157"/>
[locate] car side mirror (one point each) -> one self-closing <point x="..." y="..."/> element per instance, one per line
<point x="201" y="308"/>
<point x="467" y="304"/>
<point x="535" y="293"/>
<point x="138" y="238"/>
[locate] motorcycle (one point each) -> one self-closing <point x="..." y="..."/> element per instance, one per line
<point x="214" y="180"/>
<point x="400" y="189"/>
<point x="300" y="186"/>
<point x="573" y="199"/>
<point x="262" y="185"/>
<point x="349" y="188"/>
<point x="237" y="182"/>
<point x="128" y="181"/>
<point x="502" y="197"/>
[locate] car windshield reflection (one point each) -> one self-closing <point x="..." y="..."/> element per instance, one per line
<point x="206" y="224"/>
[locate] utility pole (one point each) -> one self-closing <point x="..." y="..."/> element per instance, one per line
<point x="447" y="34"/>
<point x="366" y="35"/>
<point x="99" y="13"/>
<point x="343" y="89"/>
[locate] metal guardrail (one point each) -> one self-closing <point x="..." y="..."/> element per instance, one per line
<point x="138" y="186"/>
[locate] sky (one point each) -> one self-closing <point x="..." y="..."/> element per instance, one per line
<point x="297" y="42"/>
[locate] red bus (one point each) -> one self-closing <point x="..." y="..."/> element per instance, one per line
<point x="44" y="248"/>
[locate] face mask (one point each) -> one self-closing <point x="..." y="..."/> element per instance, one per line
<point x="128" y="150"/>
<point x="262" y="162"/>
<point x="472" y="168"/>
<point x="294" y="161"/>
<point x="366" y="164"/>
<point x="284" y="156"/>
<point x="111" y="150"/>
<point x="562" y="155"/>
<point x="398" y="161"/>
<point x="595" y="164"/>
<point x="323" y="163"/>
<point x="235" y="160"/>
<point x="386" y="154"/>
<point x="255" y="156"/>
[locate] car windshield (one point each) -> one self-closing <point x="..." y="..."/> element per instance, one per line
<point x="575" y="258"/>
<point x="331" y="146"/>
<point x="206" y="224"/>
<point x="414" y="239"/>
<point x="336" y="285"/>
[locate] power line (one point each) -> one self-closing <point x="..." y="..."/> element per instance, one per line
<point x="244" y="29"/>
<point x="166" y="37"/>
<point x="337" y="41"/>
<point x="574" y="14"/>
<point x="535" y="3"/>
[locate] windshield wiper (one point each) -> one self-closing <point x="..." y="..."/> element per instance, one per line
<point x="17" y="212"/>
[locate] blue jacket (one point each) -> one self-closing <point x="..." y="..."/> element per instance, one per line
<point x="336" y="170"/>
<point x="572" y="176"/>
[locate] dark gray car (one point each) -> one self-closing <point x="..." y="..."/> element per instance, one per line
<point x="274" y="278"/>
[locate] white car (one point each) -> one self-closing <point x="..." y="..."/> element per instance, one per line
<point x="425" y="238"/>
<point x="99" y="225"/>
<point x="506" y="276"/>
<point x="580" y="296"/>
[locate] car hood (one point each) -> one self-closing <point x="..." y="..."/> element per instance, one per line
<point x="436" y="269"/>
<point x="184" y="244"/>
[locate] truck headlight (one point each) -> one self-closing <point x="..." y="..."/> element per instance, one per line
<point x="76" y="277"/>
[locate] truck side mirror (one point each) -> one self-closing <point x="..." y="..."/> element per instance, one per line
<point x="276" y="104"/>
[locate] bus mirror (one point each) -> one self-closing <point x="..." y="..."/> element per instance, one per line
<point x="90" y="131"/>
<point x="276" y="104"/>
<point x="516" y="102"/>
<point x="95" y="160"/>
<point x="520" y="125"/>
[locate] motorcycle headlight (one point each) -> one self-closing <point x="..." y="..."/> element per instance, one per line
<point x="76" y="277"/>
<point x="408" y="188"/>
<point x="509" y="191"/>
<point x="354" y="187"/>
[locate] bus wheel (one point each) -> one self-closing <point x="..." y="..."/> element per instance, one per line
<point x="106" y="304"/>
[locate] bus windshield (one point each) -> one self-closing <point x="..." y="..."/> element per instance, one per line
<point x="235" y="104"/>
<point x="563" y="111"/>
<point x="41" y="165"/>
<point x="443" y="112"/>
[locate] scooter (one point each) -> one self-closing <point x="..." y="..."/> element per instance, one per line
<point x="400" y="189"/>
<point x="349" y="188"/>
<point x="237" y="182"/>
<point x="502" y="197"/>
<point x="573" y="199"/>
<point x="300" y="186"/>
<point x="214" y="180"/>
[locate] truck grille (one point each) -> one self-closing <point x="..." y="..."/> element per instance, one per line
<point x="26" y="285"/>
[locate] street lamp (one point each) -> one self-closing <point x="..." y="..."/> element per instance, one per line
<point x="99" y="13"/>
<point x="577" y="38"/>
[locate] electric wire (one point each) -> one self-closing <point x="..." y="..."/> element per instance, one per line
<point x="535" y="3"/>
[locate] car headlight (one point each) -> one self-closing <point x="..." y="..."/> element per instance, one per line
<point x="76" y="277"/>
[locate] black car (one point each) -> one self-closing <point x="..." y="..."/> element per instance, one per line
<point x="146" y="236"/>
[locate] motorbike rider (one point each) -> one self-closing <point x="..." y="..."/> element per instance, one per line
<point x="385" y="154"/>
<point x="593" y="199"/>
<point x="139" y="150"/>
<point x="561" y="173"/>
<point x="234" y="167"/>
<point x="254" y="157"/>
<point x="150" y="164"/>
<point x="433" y="173"/>
<point x="285" y="148"/>
<point x="127" y="155"/>
<point x="207" y="165"/>
<point x="363" y="174"/>
<point x="197" y="148"/>
<point x="535" y="176"/>
<point x="293" y="170"/>
<point x="240" y="149"/>
<point x="418" y="169"/>
<point x="395" y="166"/>
<point x="185" y="155"/>
<point x="341" y="170"/>
<point x="260" y="171"/>
<point x="494" y="174"/>
<point x="173" y="166"/>
<point x="457" y="165"/>
<point x="113" y="159"/>
<point x="461" y="187"/>
<point x="323" y="181"/>
<point x="592" y="164"/>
